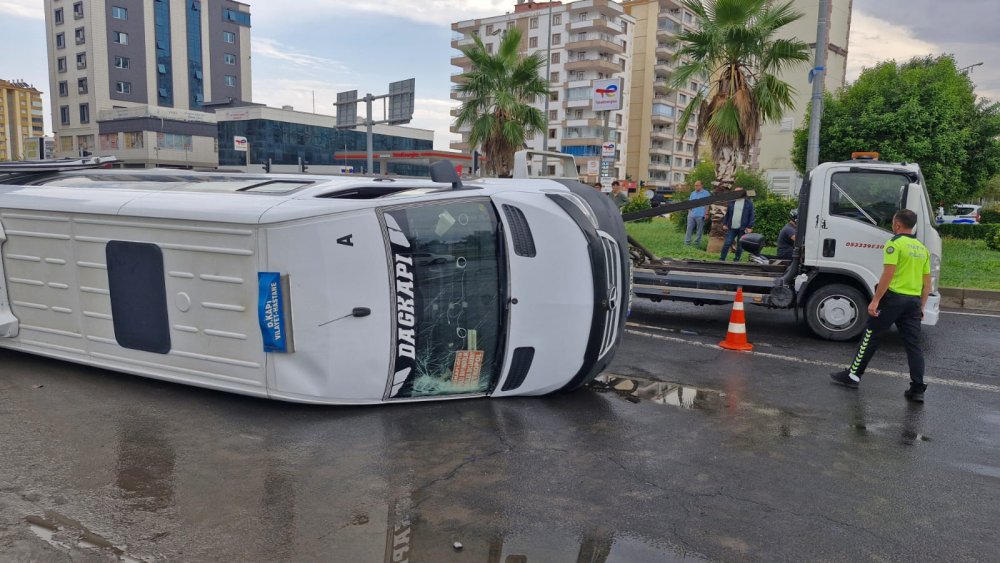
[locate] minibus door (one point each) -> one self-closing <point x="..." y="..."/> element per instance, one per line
<point x="8" y="322"/>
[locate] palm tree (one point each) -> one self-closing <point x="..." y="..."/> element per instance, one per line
<point x="498" y="91"/>
<point x="736" y="49"/>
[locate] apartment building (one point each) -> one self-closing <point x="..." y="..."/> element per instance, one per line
<point x="136" y="78"/>
<point x="584" y="41"/>
<point x="658" y="152"/>
<point x="773" y="154"/>
<point x="21" y="118"/>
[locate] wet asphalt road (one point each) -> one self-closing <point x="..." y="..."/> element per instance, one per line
<point x="692" y="454"/>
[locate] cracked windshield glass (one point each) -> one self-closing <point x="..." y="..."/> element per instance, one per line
<point x="446" y="270"/>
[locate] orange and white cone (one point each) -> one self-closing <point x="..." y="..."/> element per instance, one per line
<point x="736" y="338"/>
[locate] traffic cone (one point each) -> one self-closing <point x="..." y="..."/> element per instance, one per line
<point x="736" y="338"/>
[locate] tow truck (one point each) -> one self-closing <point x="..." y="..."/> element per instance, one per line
<point x="845" y="214"/>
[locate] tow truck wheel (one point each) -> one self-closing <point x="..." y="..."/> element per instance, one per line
<point x="837" y="312"/>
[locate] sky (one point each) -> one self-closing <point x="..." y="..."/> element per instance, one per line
<point x="321" y="47"/>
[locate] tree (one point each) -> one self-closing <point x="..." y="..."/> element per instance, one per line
<point x="498" y="92"/>
<point x="736" y="50"/>
<point x="922" y="111"/>
<point x="991" y="190"/>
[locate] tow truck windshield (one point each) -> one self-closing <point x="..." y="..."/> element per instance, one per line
<point x="446" y="269"/>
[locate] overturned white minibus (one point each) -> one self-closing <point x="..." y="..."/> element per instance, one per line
<point x="338" y="290"/>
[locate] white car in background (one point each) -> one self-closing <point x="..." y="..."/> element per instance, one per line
<point x="960" y="214"/>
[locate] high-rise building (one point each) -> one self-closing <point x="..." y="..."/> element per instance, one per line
<point x="774" y="152"/>
<point x="133" y="79"/>
<point x="20" y="118"/>
<point x="659" y="153"/>
<point x="583" y="41"/>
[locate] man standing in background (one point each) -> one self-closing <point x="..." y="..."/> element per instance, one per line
<point x="696" y="216"/>
<point x="618" y="195"/>
<point x="739" y="220"/>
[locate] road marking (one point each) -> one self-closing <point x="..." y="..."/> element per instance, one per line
<point x="970" y="314"/>
<point x="906" y="376"/>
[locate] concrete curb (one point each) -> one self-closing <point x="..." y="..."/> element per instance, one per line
<point x="962" y="298"/>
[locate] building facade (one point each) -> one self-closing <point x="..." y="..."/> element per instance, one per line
<point x="115" y="65"/>
<point x="584" y="41"/>
<point x="285" y="135"/>
<point x="658" y="152"/>
<point x="774" y="148"/>
<point x="21" y="118"/>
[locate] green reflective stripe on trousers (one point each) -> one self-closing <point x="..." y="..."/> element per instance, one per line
<point x="861" y="352"/>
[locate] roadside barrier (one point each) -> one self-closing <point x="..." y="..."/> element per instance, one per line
<point x="736" y="337"/>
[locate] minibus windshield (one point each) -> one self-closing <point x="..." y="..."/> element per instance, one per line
<point x="446" y="268"/>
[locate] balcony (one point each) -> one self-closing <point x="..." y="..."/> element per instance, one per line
<point x="666" y="50"/>
<point x="598" y="41"/>
<point x="588" y="122"/>
<point x="462" y="42"/>
<point x="581" y="103"/>
<point x="659" y="166"/>
<point x="581" y="141"/>
<point x="665" y="134"/>
<point x="661" y="118"/>
<point x="667" y="30"/>
<point x="661" y="87"/>
<point x="661" y="150"/>
<point x="664" y="67"/>
<point x="467" y="24"/>
<point x="599" y="24"/>
<point x="458" y="77"/>
<point x="603" y="7"/>
<point x="605" y="65"/>
<point x="461" y="60"/>
<point x="459" y="146"/>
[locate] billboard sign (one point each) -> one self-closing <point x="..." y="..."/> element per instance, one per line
<point x="240" y="144"/>
<point x="401" y="101"/>
<point x="608" y="149"/>
<point x="347" y="108"/>
<point x="33" y="147"/>
<point x="606" y="94"/>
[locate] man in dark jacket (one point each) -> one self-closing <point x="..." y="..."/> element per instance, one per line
<point x="786" y="238"/>
<point x="739" y="220"/>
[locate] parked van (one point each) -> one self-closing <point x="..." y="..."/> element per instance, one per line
<point x="339" y="290"/>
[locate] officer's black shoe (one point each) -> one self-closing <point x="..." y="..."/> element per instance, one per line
<point x="914" y="395"/>
<point x="843" y="377"/>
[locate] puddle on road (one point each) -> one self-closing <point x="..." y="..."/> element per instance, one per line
<point x="65" y="534"/>
<point x="757" y="419"/>
<point x="636" y="389"/>
<point x="907" y="428"/>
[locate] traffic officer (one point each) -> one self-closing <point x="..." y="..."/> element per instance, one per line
<point x="899" y="298"/>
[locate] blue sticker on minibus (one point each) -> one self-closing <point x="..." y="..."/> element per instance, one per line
<point x="270" y="311"/>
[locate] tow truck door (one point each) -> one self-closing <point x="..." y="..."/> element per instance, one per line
<point x="855" y="220"/>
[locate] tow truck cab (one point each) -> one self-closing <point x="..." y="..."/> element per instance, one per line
<point x="845" y="218"/>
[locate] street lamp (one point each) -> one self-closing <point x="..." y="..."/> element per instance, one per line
<point x="966" y="70"/>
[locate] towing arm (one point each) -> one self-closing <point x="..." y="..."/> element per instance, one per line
<point x="724" y="197"/>
<point x="663" y="209"/>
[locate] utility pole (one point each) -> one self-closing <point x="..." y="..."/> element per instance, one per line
<point x="548" y="95"/>
<point x="369" y="123"/>
<point x="818" y="76"/>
